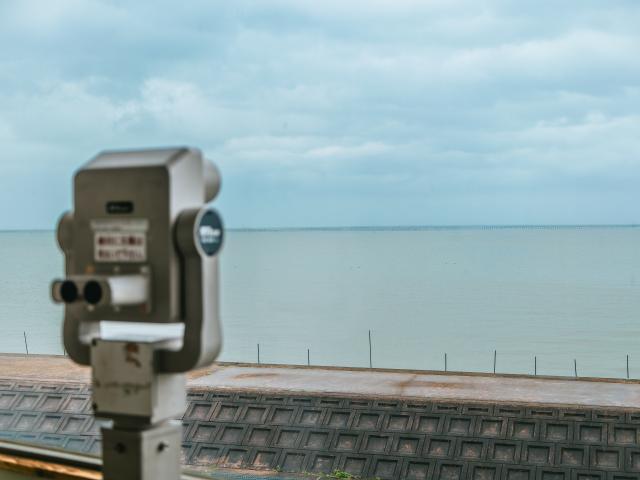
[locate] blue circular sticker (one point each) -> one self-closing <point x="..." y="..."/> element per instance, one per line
<point x="210" y="232"/>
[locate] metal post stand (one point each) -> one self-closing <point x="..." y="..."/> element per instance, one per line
<point x="146" y="454"/>
<point x="144" y="441"/>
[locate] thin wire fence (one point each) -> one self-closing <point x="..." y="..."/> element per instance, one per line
<point x="28" y="349"/>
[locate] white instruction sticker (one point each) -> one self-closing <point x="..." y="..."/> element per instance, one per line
<point x="120" y="240"/>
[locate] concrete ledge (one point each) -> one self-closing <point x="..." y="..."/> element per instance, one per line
<point x="370" y="383"/>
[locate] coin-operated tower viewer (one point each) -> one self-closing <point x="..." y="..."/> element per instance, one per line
<point x="141" y="248"/>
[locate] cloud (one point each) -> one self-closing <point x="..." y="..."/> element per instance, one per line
<point x="397" y="111"/>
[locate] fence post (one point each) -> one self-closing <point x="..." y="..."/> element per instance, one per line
<point x="627" y="366"/>
<point x="258" y="354"/>
<point x="26" y="346"/>
<point x="370" y="359"/>
<point x="308" y="358"/>
<point x="535" y="365"/>
<point x="495" y="354"/>
<point x="575" y="367"/>
<point x="445" y="361"/>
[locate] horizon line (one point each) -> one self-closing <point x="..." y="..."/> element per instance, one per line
<point x="392" y="227"/>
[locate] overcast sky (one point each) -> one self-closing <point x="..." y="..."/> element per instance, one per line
<point x="333" y="112"/>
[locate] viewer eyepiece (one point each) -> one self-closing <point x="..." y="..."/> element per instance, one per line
<point x="68" y="291"/>
<point x="92" y="292"/>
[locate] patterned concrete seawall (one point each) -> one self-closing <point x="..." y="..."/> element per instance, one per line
<point x="417" y="425"/>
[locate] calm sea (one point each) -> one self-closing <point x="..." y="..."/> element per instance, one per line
<point x="556" y="293"/>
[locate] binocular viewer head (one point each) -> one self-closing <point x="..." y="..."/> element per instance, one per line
<point x="141" y="245"/>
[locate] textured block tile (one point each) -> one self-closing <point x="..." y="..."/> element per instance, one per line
<point x="219" y="396"/>
<point x="77" y="444"/>
<point x="53" y="440"/>
<point x="449" y="470"/>
<point x="264" y="459"/>
<point x="74" y="424"/>
<point x="419" y="469"/>
<point x="484" y="410"/>
<point x="519" y="472"/>
<point x="273" y="399"/>
<point x="347" y="441"/>
<point x="459" y="425"/>
<point x="7" y="399"/>
<point x="376" y="444"/>
<point x="75" y="404"/>
<point x="356" y="465"/>
<point x="505" y="451"/>
<point x="538" y="454"/>
<point x="591" y="432"/>
<point x="386" y="468"/>
<point x="428" y="424"/>
<point x="234" y="457"/>
<point x="331" y="402"/>
<point x="632" y="460"/>
<point x="6" y="419"/>
<point x="199" y="411"/>
<point x="359" y="403"/>
<point x="588" y="475"/>
<point x="310" y="417"/>
<point x="293" y="461"/>
<point x="626" y="435"/>
<point x="26" y="421"/>
<point x="491" y="427"/>
<point x="471" y="449"/>
<point x="316" y="440"/>
<point x="231" y="434"/>
<point x="50" y="403"/>
<point x="322" y="463"/>
<point x="254" y="414"/>
<point x="447" y="408"/>
<point x="554" y="474"/>
<point x="541" y="413"/>
<point x="608" y="416"/>
<point x="523" y="429"/>
<point x="186" y="453"/>
<point x="338" y="419"/>
<point x="557" y="431"/>
<point x="203" y="432"/>
<point x="282" y="415"/>
<point x="196" y="395"/>
<point x="484" y="471"/>
<point x="206" y="454"/>
<point x="439" y="447"/>
<point x="259" y="436"/>
<point x="398" y="422"/>
<point x="509" y="411"/>
<point x="96" y="447"/>
<point x="575" y="415"/>
<point x="407" y="444"/>
<point x="302" y="401"/>
<point x="418" y="407"/>
<point x="622" y="476"/>
<point x="571" y="455"/>
<point x="607" y="458"/>
<point x="246" y="397"/>
<point x="27" y="401"/>
<point x="287" y="437"/>
<point x="225" y="412"/>
<point x="367" y="421"/>
<point x="49" y="422"/>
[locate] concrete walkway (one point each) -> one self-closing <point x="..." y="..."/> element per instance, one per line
<point x="374" y="383"/>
